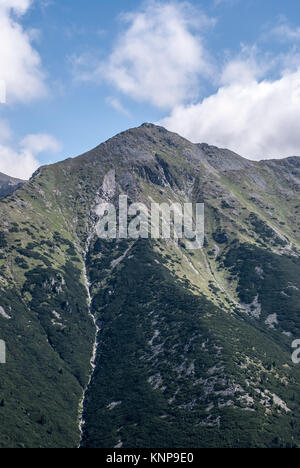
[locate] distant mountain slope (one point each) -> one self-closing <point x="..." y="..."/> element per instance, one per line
<point x="194" y="347"/>
<point x="8" y="185"/>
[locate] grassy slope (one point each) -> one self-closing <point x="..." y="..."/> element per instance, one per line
<point x="48" y="358"/>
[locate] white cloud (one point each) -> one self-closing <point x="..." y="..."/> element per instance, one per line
<point x="257" y="119"/>
<point x="117" y="105"/>
<point x="19" y="164"/>
<point x="5" y="131"/>
<point x="284" y="32"/>
<point x="2" y="92"/>
<point x="22" y="80"/>
<point x="22" y="161"/>
<point x="19" y="6"/>
<point x="39" y="143"/>
<point x="20" y="64"/>
<point x="245" y="67"/>
<point x="160" y="56"/>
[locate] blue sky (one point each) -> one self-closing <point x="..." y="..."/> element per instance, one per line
<point x="79" y="71"/>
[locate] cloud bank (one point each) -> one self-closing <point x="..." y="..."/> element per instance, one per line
<point x="159" y="56"/>
<point x="257" y="119"/>
<point x="21" y="161"/>
<point x="20" y="64"/>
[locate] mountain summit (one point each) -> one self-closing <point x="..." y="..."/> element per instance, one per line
<point x="142" y="343"/>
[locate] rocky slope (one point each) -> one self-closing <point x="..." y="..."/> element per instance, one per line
<point x="193" y="348"/>
<point x="8" y="185"/>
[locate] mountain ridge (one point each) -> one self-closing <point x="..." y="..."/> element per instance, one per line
<point x="208" y="150"/>
<point x="150" y="126"/>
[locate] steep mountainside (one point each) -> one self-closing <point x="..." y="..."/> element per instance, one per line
<point x="193" y="348"/>
<point x="8" y="185"/>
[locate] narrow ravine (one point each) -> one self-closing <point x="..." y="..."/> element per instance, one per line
<point x="95" y="346"/>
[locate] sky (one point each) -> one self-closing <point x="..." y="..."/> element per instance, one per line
<point x="73" y="73"/>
